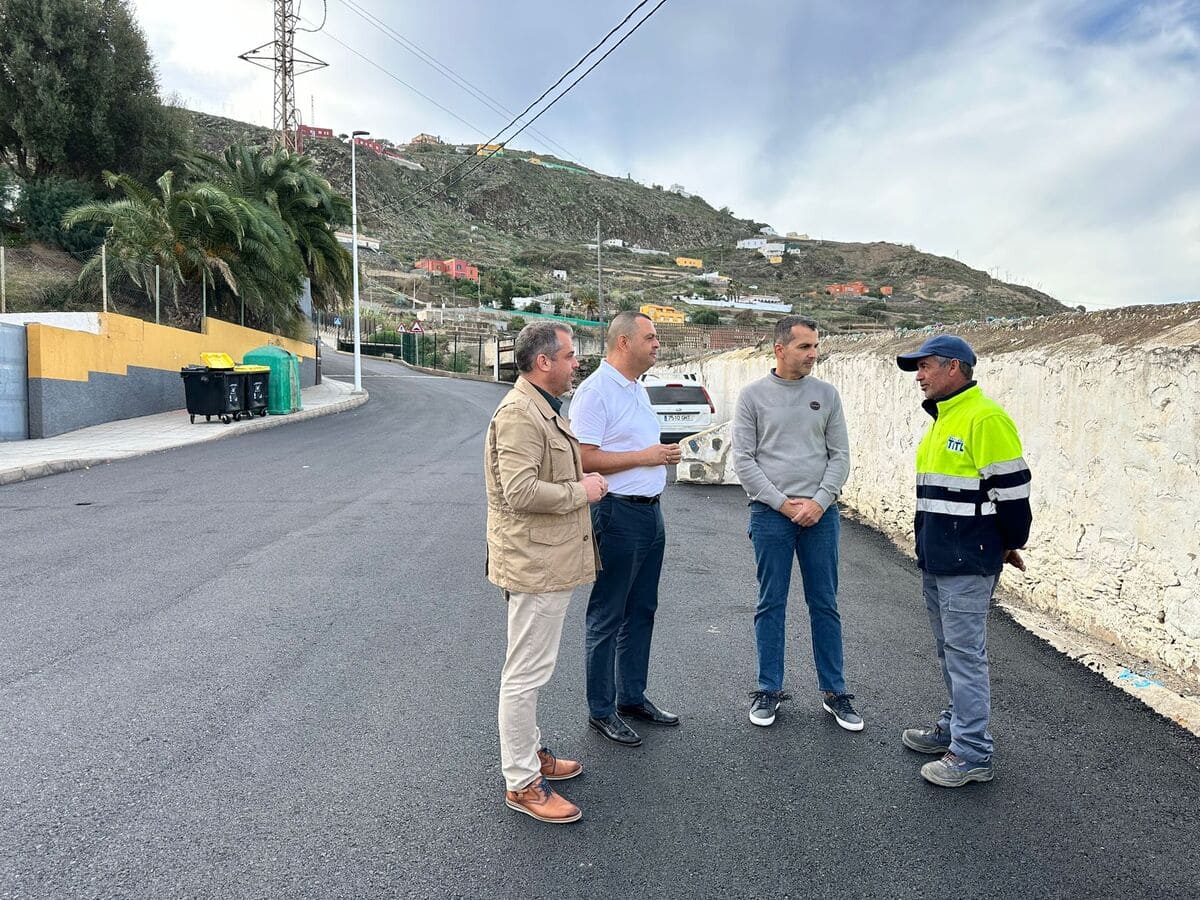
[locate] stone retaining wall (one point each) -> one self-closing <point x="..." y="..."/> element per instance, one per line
<point x="1108" y="407"/>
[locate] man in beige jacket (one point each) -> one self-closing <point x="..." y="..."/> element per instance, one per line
<point x="540" y="547"/>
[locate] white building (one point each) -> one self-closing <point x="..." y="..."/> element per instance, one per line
<point x="758" y="303"/>
<point x="613" y="242"/>
<point x="768" y="230"/>
<point x="772" y="248"/>
<point x="751" y="243"/>
<point x="559" y="274"/>
<point x="525" y="304"/>
<point x="646" y="251"/>
<point x="679" y="189"/>
<point x="711" y="277"/>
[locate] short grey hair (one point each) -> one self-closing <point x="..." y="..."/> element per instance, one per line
<point x="625" y="323"/>
<point x="966" y="368"/>
<point x="783" y="328"/>
<point x="539" y="338"/>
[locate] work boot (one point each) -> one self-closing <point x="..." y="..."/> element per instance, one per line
<point x="540" y="801"/>
<point x="931" y="739"/>
<point x="953" y="771"/>
<point x="557" y="769"/>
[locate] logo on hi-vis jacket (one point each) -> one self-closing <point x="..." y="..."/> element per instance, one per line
<point x="955" y="445"/>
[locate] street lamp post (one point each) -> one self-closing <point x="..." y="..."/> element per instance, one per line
<point x="354" y="135"/>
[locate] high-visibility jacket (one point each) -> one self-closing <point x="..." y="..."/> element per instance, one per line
<point x="972" y="487"/>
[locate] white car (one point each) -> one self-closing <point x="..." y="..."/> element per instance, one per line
<point x="682" y="405"/>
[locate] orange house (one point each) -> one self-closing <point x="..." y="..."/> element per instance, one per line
<point x="455" y="268"/>
<point x="850" y="288"/>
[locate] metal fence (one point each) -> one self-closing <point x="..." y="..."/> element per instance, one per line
<point x="465" y="351"/>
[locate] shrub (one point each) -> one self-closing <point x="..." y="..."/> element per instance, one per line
<point x="42" y="206"/>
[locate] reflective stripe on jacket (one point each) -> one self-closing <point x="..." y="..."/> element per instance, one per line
<point x="972" y="487"/>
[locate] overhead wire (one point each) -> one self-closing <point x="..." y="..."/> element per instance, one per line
<point x="476" y="92"/>
<point x="447" y="185"/>
<point x="402" y="82"/>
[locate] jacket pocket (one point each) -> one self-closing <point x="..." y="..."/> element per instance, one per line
<point x="552" y="535"/>
<point x="562" y="460"/>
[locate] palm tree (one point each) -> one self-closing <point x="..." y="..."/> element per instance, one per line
<point x="307" y="204"/>
<point x="197" y="233"/>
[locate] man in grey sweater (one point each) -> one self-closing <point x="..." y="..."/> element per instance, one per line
<point x="792" y="455"/>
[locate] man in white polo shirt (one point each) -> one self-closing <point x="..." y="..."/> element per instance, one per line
<point x="619" y="438"/>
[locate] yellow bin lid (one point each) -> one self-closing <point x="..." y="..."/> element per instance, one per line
<point x="252" y="368"/>
<point x="217" y="360"/>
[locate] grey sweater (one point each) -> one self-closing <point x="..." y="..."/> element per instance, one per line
<point x="790" y="440"/>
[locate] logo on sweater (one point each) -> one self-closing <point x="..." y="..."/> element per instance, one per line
<point x="814" y="405"/>
<point x="954" y="445"/>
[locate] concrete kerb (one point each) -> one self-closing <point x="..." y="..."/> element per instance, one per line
<point x="67" y="463"/>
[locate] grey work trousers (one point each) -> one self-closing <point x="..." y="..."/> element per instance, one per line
<point x="958" y="607"/>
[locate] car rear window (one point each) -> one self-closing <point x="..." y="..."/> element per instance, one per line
<point x="683" y="395"/>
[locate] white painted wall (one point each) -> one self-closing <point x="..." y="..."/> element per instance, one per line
<point x="1108" y="407"/>
<point x="71" y="321"/>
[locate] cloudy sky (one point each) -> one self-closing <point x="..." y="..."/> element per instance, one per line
<point x="1052" y="142"/>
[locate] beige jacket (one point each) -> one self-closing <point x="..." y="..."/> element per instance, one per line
<point x="539" y="527"/>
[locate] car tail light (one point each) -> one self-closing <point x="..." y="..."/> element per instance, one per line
<point x="712" y="409"/>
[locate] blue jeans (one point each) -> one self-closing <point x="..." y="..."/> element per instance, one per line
<point x="620" y="612"/>
<point x="958" y="606"/>
<point x="776" y="538"/>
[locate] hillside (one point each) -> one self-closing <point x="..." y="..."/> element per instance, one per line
<point x="533" y="214"/>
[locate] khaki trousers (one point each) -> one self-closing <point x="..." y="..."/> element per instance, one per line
<point x="535" y="623"/>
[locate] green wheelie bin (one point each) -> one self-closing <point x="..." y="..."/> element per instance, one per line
<point x="283" y="383"/>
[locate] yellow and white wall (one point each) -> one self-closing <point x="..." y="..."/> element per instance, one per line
<point x="125" y="367"/>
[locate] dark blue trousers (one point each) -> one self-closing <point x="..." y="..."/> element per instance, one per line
<point x="620" y="612"/>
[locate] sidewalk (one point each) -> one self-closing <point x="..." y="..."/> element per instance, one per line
<point x="23" y="460"/>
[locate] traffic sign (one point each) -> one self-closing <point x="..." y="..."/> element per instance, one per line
<point x="400" y="329"/>
<point x="416" y="328"/>
<point x="337" y="321"/>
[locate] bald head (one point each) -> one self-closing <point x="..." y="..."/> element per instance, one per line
<point x="632" y="343"/>
<point x="624" y="324"/>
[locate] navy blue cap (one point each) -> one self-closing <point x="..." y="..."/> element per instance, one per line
<point x="950" y="346"/>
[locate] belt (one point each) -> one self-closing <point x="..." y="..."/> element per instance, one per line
<point x="633" y="498"/>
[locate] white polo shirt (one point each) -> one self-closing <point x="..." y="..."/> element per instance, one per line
<point x="614" y="413"/>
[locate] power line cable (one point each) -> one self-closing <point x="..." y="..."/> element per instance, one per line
<point x="324" y="17"/>
<point x="475" y="92"/>
<point x="401" y="81"/>
<point x="566" y="91"/>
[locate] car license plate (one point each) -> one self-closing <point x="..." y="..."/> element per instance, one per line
<point x="677" y="417"/>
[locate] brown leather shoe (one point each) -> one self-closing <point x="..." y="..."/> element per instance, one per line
<point x="540" y="801"/>
<point x="557" y="769"/>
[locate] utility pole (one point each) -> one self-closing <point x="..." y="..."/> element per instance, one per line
<point x="287" y="62"/>
<point x="103" y="276"/>
<point x="156" y="303"/>
<point x="599" y="289"/>
<point x="3" y="288"/>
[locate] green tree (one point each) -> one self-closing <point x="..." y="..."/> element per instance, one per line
<point x="705" y="317"/>
<point x="42" y="206"/>
<point x="199" y="232"/>
<point x="516" y="323"/>
<point x="308" y="206"/>
<point x="78" y="93"/>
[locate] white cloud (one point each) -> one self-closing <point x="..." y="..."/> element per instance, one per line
<point x="1056" y="141"/>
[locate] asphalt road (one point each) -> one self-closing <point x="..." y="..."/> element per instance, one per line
<point x="267" y="667"/>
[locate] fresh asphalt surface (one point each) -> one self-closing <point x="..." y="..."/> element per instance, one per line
<point x="267" y="667"/>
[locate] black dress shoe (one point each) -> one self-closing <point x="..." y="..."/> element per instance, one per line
<point x="614" y="728"/>
<point x="648" y="712"/>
